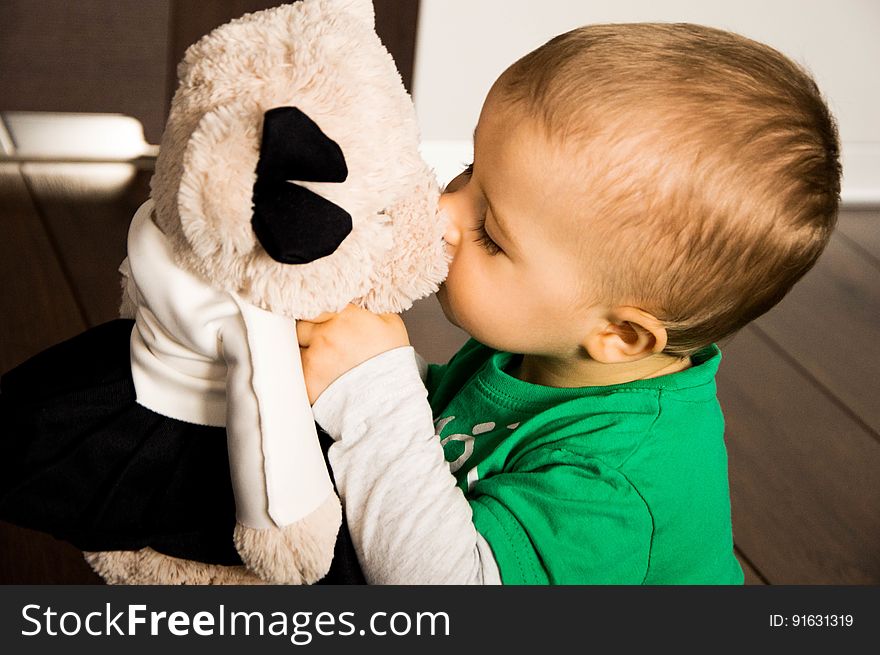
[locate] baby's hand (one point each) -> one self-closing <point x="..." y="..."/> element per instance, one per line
<point x="332" y="344"/>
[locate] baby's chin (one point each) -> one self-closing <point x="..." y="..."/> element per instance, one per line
<point x="444" y="305"/>
<point x="475" y="329"/>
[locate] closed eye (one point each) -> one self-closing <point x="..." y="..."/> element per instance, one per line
<point x="483" y="237"/>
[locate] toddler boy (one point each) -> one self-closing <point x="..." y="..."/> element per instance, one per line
<point x="638" y="193"/>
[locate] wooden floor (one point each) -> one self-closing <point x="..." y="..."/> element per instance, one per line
<point x="799" y="388"/>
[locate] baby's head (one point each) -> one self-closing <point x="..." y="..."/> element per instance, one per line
<point x="656" y="186"/>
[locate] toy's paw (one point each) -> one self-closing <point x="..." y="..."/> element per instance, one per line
<point x="147" y="567"/>
<point x="299" y="553"/>
<point x="116" y="566"/>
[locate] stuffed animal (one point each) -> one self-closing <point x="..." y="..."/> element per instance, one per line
<point x="289" y="183"/>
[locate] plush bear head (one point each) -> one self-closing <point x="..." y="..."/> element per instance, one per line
<point x="290" y="171"/>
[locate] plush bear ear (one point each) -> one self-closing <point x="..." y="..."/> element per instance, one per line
<point x="361" y="9"/>
<point x="293" y="224"/>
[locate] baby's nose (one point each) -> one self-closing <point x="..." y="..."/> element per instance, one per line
<point x="452" y="235"/>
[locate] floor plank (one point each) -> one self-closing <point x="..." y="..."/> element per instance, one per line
<point x="752" y="577"/>
<point x="87" y="208"/>
<point x="862" y="229"/>
<point x="31" y="557"/>
<point x="804" y="485"/>
<point x="828" y="324"/>
<point x="37" y="310"/>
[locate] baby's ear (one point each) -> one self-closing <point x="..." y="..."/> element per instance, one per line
<point x="626" y="334"/>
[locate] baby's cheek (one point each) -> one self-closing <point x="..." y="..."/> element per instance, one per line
<point x="450" y="249"/>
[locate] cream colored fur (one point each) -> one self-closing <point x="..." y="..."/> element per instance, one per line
<point x="148" y="567"/>
<point x="324" y="57"/>
<point x="338" y="72"/>
<point x="310" y="541"/>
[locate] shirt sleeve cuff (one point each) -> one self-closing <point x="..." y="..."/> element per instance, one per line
<point x="357" y="394"/>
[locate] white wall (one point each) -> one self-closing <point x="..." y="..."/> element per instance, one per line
<point x="463" y="45"/>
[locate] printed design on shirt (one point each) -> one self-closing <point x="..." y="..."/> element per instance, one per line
<point x="467" y="441"/>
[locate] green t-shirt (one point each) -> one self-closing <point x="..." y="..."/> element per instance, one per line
<point x="622" y="484"/>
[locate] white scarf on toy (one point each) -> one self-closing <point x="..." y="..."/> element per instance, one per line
<point x="205" y="356"/>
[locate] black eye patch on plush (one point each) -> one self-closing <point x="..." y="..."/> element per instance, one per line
<point x="295" y="225"/>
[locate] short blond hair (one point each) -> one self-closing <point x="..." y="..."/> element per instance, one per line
<point x="711" y="162"/>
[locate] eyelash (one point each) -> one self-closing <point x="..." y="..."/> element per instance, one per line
<point x="483" y="237"/>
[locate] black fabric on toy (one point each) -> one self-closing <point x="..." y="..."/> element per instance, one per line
<point x="82" y="461"/>
<point x="293" y="224"/>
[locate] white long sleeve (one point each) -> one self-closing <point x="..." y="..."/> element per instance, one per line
<point x="409" y="522"/>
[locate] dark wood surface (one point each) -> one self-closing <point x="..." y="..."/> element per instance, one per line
<point x="37" y="309"/>
<point x="796" y="387"/>
<point x="83" y="207"/>
<point x="37" y="305"/>
<point x="827" y="319"/>
<point x="752" y="577"/>
<point x="804" y="484"/>
<point x="120" y="56"/>
<point x="859" y="231"/>
<point x="86" y="56"/>
<point x="800" y="390"/>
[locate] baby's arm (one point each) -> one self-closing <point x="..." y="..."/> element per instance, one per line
<point x="409" y="523"/>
